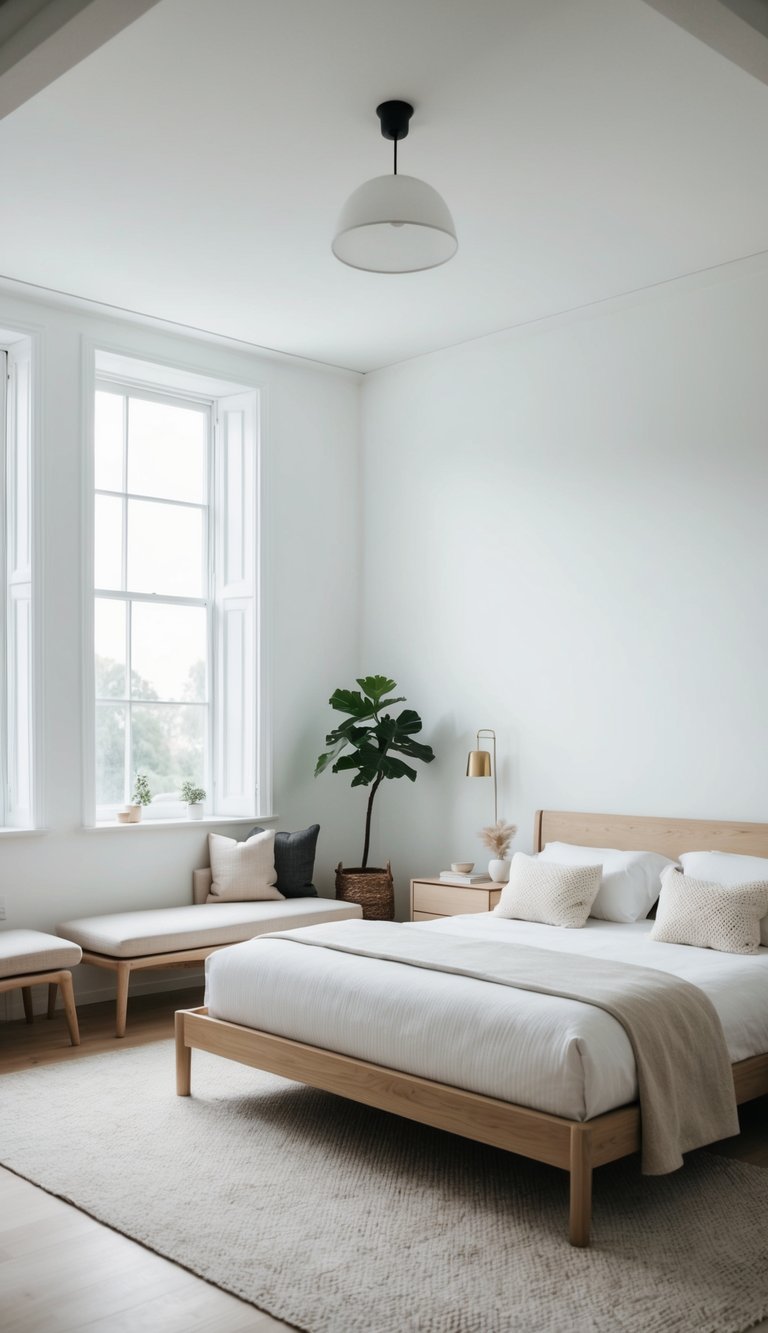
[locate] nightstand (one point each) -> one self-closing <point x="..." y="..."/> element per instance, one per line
<point x="433" y="898"/>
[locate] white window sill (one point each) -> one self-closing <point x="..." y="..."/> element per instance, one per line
<point x="210" y="821"/>
<point x="22" y="832"/>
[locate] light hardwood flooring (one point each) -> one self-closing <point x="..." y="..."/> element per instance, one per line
<point x="61" y="1271"/>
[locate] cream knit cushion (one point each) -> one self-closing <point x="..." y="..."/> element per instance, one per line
<point x="555" y="895"/>
<point x="243" y="871"/>
<point x="709" y="915"/>
<point x="729" y="868"/>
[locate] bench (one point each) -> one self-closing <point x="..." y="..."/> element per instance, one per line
<point x="126" y="942"/>
<point x="32" y="958"/>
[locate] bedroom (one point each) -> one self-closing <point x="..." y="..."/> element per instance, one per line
<point x="529" y="484"/>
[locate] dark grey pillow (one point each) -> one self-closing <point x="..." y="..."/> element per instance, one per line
<point x="295" y="861"/>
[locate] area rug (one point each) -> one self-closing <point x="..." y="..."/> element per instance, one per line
<point x="341" y="1219"/>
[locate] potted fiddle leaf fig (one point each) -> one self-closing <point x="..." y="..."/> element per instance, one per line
<point x="372" y="743"/>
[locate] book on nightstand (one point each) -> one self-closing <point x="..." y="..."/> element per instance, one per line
<point x="451" y="877"/>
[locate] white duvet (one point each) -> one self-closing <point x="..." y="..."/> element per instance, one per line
<point x="555" y="1055"/>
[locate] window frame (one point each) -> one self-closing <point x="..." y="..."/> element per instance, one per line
<point x="127" y="389"/>
<point x="20" y="349"/>
<point x="176" y="379"/>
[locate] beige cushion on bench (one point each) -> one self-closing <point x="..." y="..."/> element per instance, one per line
<point x="172" y="929"/>
<point x="28" y="951"/>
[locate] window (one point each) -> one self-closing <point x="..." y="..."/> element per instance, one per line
<point x="17" y="767"/>
<point x="174" y="613"/>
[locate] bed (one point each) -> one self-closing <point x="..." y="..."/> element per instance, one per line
<point x="573" y="1106"/>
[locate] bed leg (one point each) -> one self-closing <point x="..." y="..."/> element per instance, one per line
<point x="581" y="1185"/>
<point x="183" y="1058"/>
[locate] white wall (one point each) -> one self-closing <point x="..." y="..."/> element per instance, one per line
<point x="311" y="449"/>
<point x="566" y="539"/>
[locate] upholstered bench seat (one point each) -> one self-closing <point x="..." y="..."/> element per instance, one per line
<point x="32" y="958"/>
<point x="126" y="942"/>
<point x="34" y="951"/>
<point x="202" y="925"/>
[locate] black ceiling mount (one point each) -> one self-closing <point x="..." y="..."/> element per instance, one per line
<point x="394" y="117"/>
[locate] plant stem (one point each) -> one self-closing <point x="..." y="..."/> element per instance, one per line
<point x="374" y="790"/>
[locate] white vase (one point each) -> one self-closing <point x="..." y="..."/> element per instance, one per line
<point x="195" y="810"/>
<point x="499" y="871"/>
<point x="134" y="813"/>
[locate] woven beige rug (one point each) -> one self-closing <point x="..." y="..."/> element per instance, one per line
<point x="339" y="1219"/>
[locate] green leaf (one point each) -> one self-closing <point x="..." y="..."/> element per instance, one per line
<point x="351" y="701"/>
<point x="395" y="768"/>
<point x="348" y="761"/>
<point x="325" y="760"/>
<point x="414" y="749"/>
<point x="376" y="686"/>
<point x="408" y="721"/>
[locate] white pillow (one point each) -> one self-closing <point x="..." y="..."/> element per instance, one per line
<point x="630" y="883"/>
<point x="725" y="917"/>
<point x="556" y="895"/>
<point x="728" y="868"/>
<point x="242" y="871"/>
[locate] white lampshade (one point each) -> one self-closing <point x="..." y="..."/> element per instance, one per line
<point x="395" y="224"/>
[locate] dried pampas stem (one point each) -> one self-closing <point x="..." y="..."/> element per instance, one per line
<point x="497" y="837"/>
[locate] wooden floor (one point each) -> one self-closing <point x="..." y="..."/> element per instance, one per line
<point x="61" y="1271"/>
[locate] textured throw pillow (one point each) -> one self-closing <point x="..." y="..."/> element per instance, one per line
<point x="728" y="868"/>
<point x="708" y="915"/>
<point x="556" y="895"/>
<point x="295" y="861"/>
<point x="242" y="871"/>
<point x="630" y="881"/>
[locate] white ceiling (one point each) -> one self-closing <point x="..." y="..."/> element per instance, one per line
<point x="192" y="168"/>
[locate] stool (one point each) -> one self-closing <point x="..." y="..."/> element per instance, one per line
<point x="31" y="958"/>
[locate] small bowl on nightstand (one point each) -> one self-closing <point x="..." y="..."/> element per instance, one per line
<point x="462" y="867"/>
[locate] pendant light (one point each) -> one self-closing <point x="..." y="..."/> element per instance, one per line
<point x="395" y="224"/>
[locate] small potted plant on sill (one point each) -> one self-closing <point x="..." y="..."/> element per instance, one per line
<point x="375" y="738"/>
<point x="141" y="796"/>
<point x="194" y="797"/>
<point x="497" y="838"/>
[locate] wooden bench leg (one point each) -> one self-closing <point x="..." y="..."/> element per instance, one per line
<point x="123" y="978"/>
<point x="183" y="1059"/>
<point x="52" y="989"/>
<point x="68" y="998"/>
<point x="26" y="995"/>
<point x="581" y="1186"/>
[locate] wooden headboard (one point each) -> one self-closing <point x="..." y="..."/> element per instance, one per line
<point x="646" y="833"/>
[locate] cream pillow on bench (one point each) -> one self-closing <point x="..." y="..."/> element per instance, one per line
<point x="243" y="872"/>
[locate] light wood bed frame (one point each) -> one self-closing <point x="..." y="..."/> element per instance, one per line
<point x="574" y="1146"/>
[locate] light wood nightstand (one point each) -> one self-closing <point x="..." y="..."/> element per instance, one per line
<point x="433" y="898"/>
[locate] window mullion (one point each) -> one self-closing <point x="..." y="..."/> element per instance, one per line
<point x="129" y="696"/>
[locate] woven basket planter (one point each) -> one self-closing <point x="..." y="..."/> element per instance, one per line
<point x="372" y="888"/>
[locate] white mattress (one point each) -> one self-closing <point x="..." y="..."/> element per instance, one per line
<point x="555" y="1055"/>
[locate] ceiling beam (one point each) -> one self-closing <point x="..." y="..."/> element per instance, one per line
<point x="736" y="29"/>
<point x="41" y="39"/>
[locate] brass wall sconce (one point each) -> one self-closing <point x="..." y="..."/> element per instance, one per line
<point x="481" y="764"/>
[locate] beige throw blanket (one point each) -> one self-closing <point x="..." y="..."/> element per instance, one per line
<point x="684" y="1074"/>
